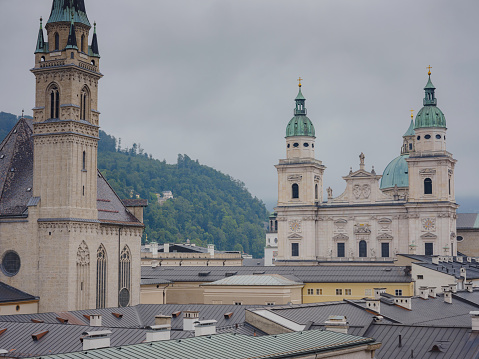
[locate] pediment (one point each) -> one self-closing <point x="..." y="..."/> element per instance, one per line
<point x="340" y="236"/>
<point x="362" y="174"/>
<point x="385" y="236"/>
<point x="295" y="236"/>
<point x="428" y="235"/>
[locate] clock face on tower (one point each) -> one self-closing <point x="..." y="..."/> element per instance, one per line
<point x="295" y="226"/>
<point x="429" y="224"/>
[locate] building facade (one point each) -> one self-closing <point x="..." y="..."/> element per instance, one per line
<point x="409" y="209"/>
<point x="65" y="236"/>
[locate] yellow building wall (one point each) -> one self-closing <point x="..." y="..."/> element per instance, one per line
<point x="19" y="308"/>
<point x="326" y="292"/>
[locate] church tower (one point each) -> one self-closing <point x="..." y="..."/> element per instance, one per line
<point x="300" y="187"/>
<point x="431" y="201"/>
<point x="66" y="117"/>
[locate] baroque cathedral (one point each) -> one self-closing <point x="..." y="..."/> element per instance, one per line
<point x="65" y="236"/>
<point x="410" y="209"/>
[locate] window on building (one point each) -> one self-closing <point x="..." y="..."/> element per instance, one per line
<point x="385" y="250"/>
<point x="339" y="292"/>
<point x="428" y="249"/>
<point x="101" y="279"/>
<point x="420" y="276"/>
<point x="295" y="190"/>
<point x="319" y="291"/>
<point x="449" y="186"/>
<point x="398" y="292"/>
<point x="341" y="251"/>
<point x="82" y="44"/>
<point x="410" y="147"/>
<point x="316" y="194"/>
<point x="54" y="102"/>
<point x="310" y="291"/>
<point x="428" y="186"/>
<point x="238" y="303"/>
<point x="10" y="263"/>
<point x="83" y="276"/>
<point x="84" y="161"/>
<point x="294" y="249"/>
<point x="363" y="249"/>
<point x="460" y="238"/>
<point x="84" y="106"/>
<point x="348" y="292"/>
<point x="270" y="303"/>
<point x="57" y="41"/>
<point x="368" y="292"/>
<point x="125" y="277"/>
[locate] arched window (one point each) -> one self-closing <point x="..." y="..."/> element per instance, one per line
<point x="57" y="41"/>
<point x="428" y="186"/>
<point x="295" y="190"/>
<point x="82" y="44"/>
<point x="54" y="95"/>
<point x="83" y="270"/>
<point x="101" y="281"/>
<point x="84" y="108"/>
<point x="125" y="277"/>
<point x="316" y="195"/>
<point x="363" y="249"/>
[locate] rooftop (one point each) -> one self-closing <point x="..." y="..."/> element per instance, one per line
<point x="255" y="280"/>
<point x="9" y="294"/>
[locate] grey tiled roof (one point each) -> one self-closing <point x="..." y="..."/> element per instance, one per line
<point x="251" y="262"/>
<point x="452" y="342"/>
<point x="306" y="274"/>
<point x="234" y="346"/>
<point x="467" y="221"/>
<point x="135" y="202"/>
<point x="10" y="294"/>
<point x="255" y="280"/>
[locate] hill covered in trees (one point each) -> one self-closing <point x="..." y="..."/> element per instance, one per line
<point x="208" y="206"/>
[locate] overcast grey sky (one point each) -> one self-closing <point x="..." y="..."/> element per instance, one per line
<point x="216" y="79"/>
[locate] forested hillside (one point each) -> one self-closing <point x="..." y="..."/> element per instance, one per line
<point x="208" y="206"/>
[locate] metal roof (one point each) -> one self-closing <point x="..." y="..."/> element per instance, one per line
<point x="451" y="342"/>
<point x="452" y="268"/>
<point x="306" y="274"/>
<point x="10" y="294"/>
<point x="467" y="221"/>
<point x="288" y="345"/>
<point x="255" y="280"/>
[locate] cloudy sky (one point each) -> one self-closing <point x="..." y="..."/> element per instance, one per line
<point x="216" y="79"/>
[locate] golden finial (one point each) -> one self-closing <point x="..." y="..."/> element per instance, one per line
<point x="429" y="70"/>
<point x="299" y="80"/>
<point x="412" y="114"/>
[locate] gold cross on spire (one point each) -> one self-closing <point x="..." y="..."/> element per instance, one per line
<point x="299" y="80"/>
<point x="429" y="70"/>
<point x="412" y="114"/>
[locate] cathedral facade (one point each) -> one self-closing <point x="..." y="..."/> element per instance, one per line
<point x="65" y="236"/>
<point x="409" y="209"/>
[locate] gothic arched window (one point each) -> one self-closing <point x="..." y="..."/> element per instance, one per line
<point x="84" y="102"/>
<point x="83" y="270"/>
<point x="125" y="277"/>
<point x="101" y="281"/>
<point x="295" y="190"/>
<point x="428" y="186"/>
<point x="363" y="249"/>
<point x="57" y="41"/>
<point x="54" y="94"/>
<point x="82" y="44"/>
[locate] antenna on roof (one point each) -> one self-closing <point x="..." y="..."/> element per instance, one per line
<point x="23" y="111"/>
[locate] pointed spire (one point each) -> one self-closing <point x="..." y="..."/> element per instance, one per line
<point x="72" y="38"/>
<point x="429" y="97"/>
<point x="41" y="39"/>
<point x="300" y="100"/>
<point x="61" y="10"/>
<point x="94" y="42"/>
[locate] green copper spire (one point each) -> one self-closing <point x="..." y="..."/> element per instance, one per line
<point x="41" y="40"/>
<point x="61" y="10"/>
<point x="72" y="38"/>
<point x="430" y="115"/>
<point x="94" y="43"/>
<point x="300" y="124"/>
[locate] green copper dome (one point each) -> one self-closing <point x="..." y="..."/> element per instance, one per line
<point x="300" y="124"/>
<point x="396" y="173"/>
<point x="430" y="115"/>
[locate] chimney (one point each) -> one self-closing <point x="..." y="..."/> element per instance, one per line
<point x="211" y="250"/>
<point x="404" y="302"/>
<point x="154" y="264"/>
<point x="161" y="319"/>
<point x="447" y="294"/>
<point x="469" y="259"/>
<point x="337" y="323"/>
<point x="475" y="320"/>
<point x="95" y="320"/>
<point x="459" y="259"/>
<point x="432" y="292"/>
<point x="439" y="259"/>
<point x="96" y="340"/>
<point x="154" y="248"/>
<point x="463" y="273"/>
<point x="449" y="259"/>
<point x="189" y="319"/>
<point x="424" y="292"/>
<point x="158" y="333"/>
<point x="469" y="287"/>
<point x="453" y="288"/>
<point x="435" y="259"/>
<point x="166" y="248"/>
<point x="373" y="304"/>
<point x="378" y="292"/>
<point x="205" y="327"/>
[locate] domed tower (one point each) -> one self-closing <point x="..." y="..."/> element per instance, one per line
<point x="431" y="203"/>
<point x="395" y="179"/>
<point x="300" y="188"/>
